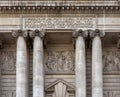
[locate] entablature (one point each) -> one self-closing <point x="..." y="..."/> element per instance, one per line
<point x="26" y="6"/>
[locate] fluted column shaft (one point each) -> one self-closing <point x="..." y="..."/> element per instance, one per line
<point x="80" y="66"/>
<point x="21" y="68"/>
<point x="97" y="78"/>
<point x="38" y="66"/>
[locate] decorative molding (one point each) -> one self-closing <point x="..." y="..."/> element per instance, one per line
<point x="60" y="88"/>
<point x="18" y="6"/>
<point x="59" y="3"/>
<point x="59" y="22"/>
<point x="59" y="61"/>
<point x="111" y="62"/>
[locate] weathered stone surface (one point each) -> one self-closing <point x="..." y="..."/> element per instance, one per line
<point x="38" y="70"/>
<point x="80" y="68"/>
<point x="97" y="78"/>
<point x="21" y="68"/>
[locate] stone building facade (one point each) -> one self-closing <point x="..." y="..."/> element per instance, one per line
<point x="60" y="48"/>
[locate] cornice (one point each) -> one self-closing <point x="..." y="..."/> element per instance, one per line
<point x="59" y="2"/>
<point x="57" y="9"/>
<point x="59" y="6"/>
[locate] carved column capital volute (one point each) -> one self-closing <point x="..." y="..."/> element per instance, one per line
<point x="80" y="32"/>
<point x="17" y="33"/>
<point x="96" y="32"/>
<point x="40" y="33"/>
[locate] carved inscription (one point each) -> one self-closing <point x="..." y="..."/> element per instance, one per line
<point x="111" y="61"/>
<point x="7" y="62"/>
<point x="59" y="22"/>
<point x="59" y="61"/>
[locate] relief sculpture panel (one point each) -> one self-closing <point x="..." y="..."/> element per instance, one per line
<point x="59" y="61"/>
<point x="111" y="61"/>
<point x="7" y="62"/>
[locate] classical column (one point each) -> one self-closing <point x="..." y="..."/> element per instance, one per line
<point x="21" y="65"/>
<point x="80" y="64"/>
<point x="97" y="78"/>
<point x="38" y="66"/>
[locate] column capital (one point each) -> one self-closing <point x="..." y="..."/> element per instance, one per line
<point x="37" y="32"/>
<point x="16" y="33"/>
<point x="80" y="32"/>
<point x="96" y="32"/>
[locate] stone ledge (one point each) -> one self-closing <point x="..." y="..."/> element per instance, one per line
<point x="59" y="3"/>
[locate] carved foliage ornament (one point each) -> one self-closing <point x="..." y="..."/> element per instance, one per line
<point x="59" y="22"/>
<point x="111" y="61"/>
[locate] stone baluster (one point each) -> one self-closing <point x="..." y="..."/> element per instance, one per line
<point x="80" y="64"/>
<point x="38" y="66"/>
<point x="97" y="78"/>
<point x="21" y="65"/>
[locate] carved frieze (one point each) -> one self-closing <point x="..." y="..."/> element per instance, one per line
<point x="59" y="61"/>
<point x="59" y="22"/>
<point x="111" y="61"/>
<point x="7" y="62"/>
